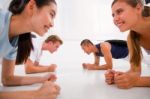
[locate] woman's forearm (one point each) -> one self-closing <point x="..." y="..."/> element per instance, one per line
<point x="143" y="82"/>
<point x="18" y="95"/>
<point x="22" y="80"/>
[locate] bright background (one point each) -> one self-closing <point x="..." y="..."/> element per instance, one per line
<point x="80" y="19"/>
<point x="77" y="20"/>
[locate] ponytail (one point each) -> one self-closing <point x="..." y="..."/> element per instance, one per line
<point x="24" y="48"/>
<point x="146" y="11"/>
<point x="24" y="42"/>
<point x="134" y="47"/>
<point x="136" y="53"/>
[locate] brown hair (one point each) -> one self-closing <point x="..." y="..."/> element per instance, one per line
<point x="86" y="42"/>
<point x="53" y="38"/>
<point x="134" y="48"/>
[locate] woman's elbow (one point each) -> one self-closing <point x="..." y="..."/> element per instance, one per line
<point x="6" y="81"/>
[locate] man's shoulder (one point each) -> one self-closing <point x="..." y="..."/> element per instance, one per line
<point x="37" y="42"/>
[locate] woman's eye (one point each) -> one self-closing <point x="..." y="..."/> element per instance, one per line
<point x="52" y="16"/>
<point x="113" y="15"/>
<point x="119" y="11"/>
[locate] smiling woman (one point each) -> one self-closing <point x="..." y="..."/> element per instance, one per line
<point x="132" y="15"/>
<point x="23" y="17"/>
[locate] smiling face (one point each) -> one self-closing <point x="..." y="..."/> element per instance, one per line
<point x="43" y="18"/>
<point x="125" y="17"/>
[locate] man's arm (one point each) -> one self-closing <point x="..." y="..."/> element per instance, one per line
<point x="106" y="50"/>
<point x="35" y="67"/>
<point x="96" y="60"/>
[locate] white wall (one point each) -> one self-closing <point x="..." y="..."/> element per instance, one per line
<point x="79" y="19"/>
<point x="4" y="3"/>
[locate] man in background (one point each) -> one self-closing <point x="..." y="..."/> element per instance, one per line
<point x="51" y="44"/>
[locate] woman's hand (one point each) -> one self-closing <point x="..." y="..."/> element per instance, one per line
<point x="50" y="77"/>
<point x="126" y="80"/>
<point x="52" y="68"/>
<point x="49" y="90"/>
<point x="109" y="76"/>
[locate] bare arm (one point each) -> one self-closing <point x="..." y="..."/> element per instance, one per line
<point x="143" y="82"/>
<point x="96" y="65"/>
<point x="132" y="77"/>
<point x="48" y="90"/>
<point x="9" y="79"/>
<point x="17" y="95"/>
<point x="106" y="50"/>
<point x="96" y="60"/>
<point x="35" y="67"/>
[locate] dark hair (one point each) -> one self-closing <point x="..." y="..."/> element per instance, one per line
<point x="117" y="42"/>
<point x="86" y="42"/>
<point x="146" y="11"/>
<point x="53" y="38"/>
<point x="24" y="42"/>
<point x="134" y="37"/>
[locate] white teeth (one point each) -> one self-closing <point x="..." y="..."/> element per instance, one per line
<point x="119" y="24"/>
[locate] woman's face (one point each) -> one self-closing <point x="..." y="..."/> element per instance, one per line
<point x="125" y="17"/>
<point x="43" y="19"/>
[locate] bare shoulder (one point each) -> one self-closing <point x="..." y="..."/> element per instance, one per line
<point x="105" y="45"/>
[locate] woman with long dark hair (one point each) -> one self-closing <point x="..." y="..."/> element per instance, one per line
<point x="16" y="25"/>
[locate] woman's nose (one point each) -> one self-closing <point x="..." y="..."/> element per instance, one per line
<point x="51" y="23"/>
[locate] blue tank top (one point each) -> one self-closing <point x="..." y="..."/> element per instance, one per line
<point x="117" y="50"/>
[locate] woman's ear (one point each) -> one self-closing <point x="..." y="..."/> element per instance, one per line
<point x="31" y="6"/>
<point x="139" y="8"/>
